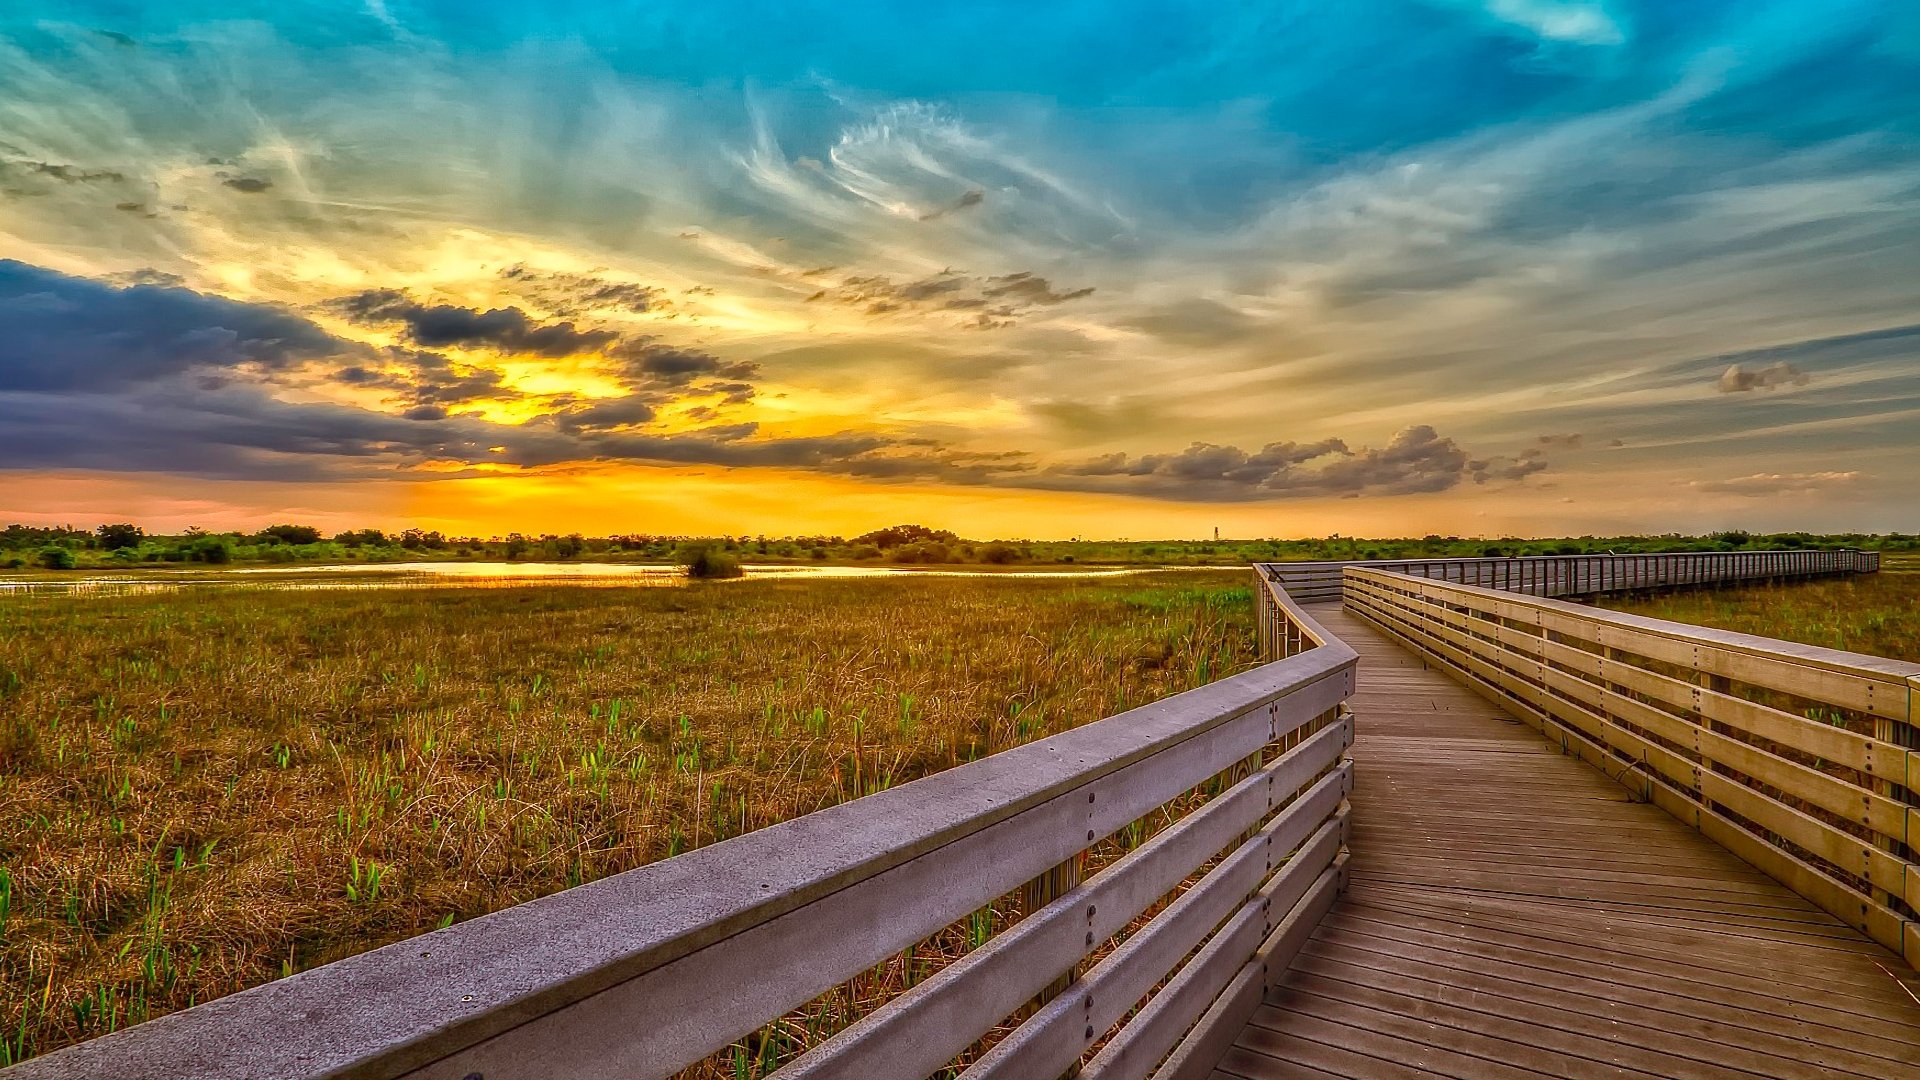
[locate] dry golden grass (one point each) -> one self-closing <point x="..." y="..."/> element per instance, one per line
<point x="204" y="791"/>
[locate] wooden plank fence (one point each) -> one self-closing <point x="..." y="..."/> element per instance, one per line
<point x="1800" y="760"/>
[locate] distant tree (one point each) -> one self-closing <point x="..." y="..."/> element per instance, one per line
<point x="517" y="545"/>
<point x="895" y="535"/>
<point x="288" y="534"/>
<point x="55" y="557"/>
<point x="115" y="537"/>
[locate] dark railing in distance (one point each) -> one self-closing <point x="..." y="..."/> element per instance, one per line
<point x="1584" y="575"/>
<point x="643" y="973"/>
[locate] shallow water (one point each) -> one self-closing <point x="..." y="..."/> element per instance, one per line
<point x="471" y="575"/>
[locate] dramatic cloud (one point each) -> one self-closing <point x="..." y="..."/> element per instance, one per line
<point x="646" y="361"/>
<point x="1417" y="459"/>
<point x="426" y="379"/>
<point x="143" y="377"/>
<point x="437" y="326"/>
<point x="1518" y="467"/>
<point x="64" y="332"/>
<point x="1737" y="379"/>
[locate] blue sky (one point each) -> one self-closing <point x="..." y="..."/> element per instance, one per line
<point x="1468" y="266"/>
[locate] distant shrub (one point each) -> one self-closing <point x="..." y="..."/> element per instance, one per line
<point x="866" y="551"/>
<point x="705" y="563"/>
<point x="999" y="553"/>
<point x="212" y="549"/>
<point x="923" y="552"/>
<point x="56" y="558"/>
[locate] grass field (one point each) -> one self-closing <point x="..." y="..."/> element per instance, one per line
<point x="204" y="791"/>
<point x="1872" y="613"/>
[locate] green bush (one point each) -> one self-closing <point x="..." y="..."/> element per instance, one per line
<point x="56" y="558"/>
<point x="705" y="563"/>
<point x="1000" y="554"/>
<point x="213" y="549"/>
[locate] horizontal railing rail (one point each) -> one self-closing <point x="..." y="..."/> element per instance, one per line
<point x="647" y="972"/>
<point x="1800" y="760"/>
<point x="1585" y="575"/>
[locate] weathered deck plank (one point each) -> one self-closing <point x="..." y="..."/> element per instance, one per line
<point x="1513" y="912"/>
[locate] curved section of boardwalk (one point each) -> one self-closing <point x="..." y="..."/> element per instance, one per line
<point x="1514" y="913"/>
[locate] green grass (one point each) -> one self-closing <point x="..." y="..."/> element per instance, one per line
<point x="1868" y="613"/>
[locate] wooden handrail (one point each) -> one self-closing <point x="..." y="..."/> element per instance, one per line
<point x="1798" y="759"/>
<point x="645" y="972"/>
<point x="1585" y="575"/>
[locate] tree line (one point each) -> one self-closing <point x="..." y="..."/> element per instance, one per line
<point x="127" y="544"/>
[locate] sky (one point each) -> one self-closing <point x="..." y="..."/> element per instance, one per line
<point x="1096" y="268"/>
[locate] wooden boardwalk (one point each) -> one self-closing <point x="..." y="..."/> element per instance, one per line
<point x="1513" y="913"/>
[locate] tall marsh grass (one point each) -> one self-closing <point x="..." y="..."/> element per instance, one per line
<point x="204" y="791"/>
<point x="1878" y="614"/>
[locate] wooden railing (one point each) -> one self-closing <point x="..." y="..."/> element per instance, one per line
<point x="646" y="972"/>
<point x="1584" y="575"/>
<point x="1800" y="760"/>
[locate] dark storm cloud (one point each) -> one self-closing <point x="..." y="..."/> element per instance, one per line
<point x="65" y="332"/>
<point x="436" y="326"/>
